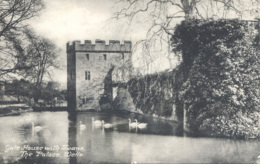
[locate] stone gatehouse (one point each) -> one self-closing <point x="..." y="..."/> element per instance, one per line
<point x="93" y="70"/>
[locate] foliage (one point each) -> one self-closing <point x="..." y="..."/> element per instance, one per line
<point x="198" y="34"/>
<point x="153" y="94"/>
<point x="222" y="69"/>
<point x="21" y="88"/>
<point x="50" y="92"/>
<point x="24" y="89"/>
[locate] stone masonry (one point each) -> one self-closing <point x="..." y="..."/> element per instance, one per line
<point x="93" y="70"/>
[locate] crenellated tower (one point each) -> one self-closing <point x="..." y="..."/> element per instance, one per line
<point x="93" y="70"/>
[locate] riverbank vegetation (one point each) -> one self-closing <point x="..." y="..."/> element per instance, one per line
<point x="22" y="91"/>
<point x="222" y="77"/>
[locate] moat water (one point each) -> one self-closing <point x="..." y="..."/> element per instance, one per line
<point x="57" y="137"/>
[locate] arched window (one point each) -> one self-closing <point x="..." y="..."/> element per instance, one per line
<point x="87" y="56"/>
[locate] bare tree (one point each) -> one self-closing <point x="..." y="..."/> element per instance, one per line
<point x="162" y="16"/>
<point x="43" y="54"/>
<point x="13" y="13"/>
<point x="14" y="56"/>
<point x="13" y="17"/>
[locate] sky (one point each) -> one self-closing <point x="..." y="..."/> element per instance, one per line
<point x="66" y="20"/>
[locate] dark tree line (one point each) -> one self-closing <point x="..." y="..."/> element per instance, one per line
<point x="24" y="91"/>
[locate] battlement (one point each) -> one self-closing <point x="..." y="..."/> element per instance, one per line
<point x="100" y="45"/>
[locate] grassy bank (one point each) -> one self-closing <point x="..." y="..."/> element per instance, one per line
<point x="8" y="110"/>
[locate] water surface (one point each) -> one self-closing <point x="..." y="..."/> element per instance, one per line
<point x="61" y="139"/>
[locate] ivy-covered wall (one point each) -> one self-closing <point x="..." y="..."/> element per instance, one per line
<point x="153" y="94"/>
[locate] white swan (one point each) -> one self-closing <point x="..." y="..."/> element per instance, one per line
<point x="96" y="122"/>
<point x="36" y="128"/>
<point x="141" y="125"/>
<point x="107" y="125"/>
<point x="81" y="126"/>
<point x="132" y="124"/>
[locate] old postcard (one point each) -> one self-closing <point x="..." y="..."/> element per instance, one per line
<point x="129" y="81"/>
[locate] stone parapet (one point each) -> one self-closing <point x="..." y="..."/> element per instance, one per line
<point x="100" y="45"/>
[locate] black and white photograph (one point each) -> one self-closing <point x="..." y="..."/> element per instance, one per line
<point x="129" y="81"/>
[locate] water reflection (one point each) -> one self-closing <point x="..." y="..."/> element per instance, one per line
<point x="72" y="137"/>
<point x="17" y="131"/>
<point x="63" y="139"/>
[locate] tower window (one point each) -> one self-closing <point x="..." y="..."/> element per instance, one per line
<point x="105" y="56"/>
<point x="87" y="56"/>
<point x="87" y="75"/>
<point x="123" y="56"/>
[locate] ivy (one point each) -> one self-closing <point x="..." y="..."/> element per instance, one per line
<point x="221" y="69"/>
